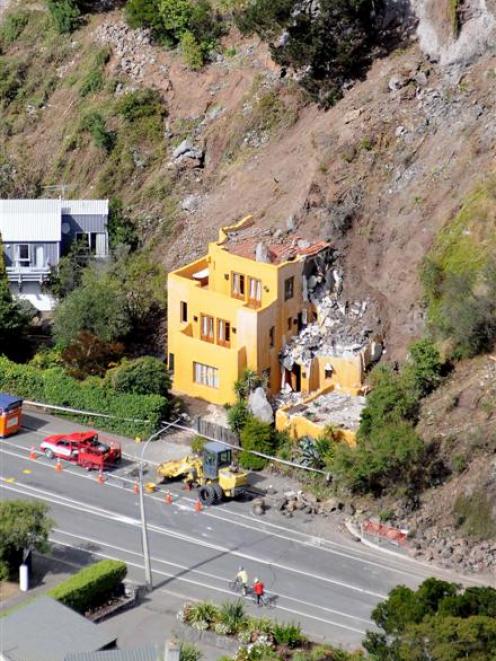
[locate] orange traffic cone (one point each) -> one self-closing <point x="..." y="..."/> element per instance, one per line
<point x="198" y="506"/>
<point x="33" y="454"/>
<point x="136" y="488"/>
<point x="101" y="478"/>
<point x="58" y="466"/>
<point x="168" y="498"/>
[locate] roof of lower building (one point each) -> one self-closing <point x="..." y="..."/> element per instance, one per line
<point x="148" y="653"/>
<point x="35" y="221"/>
<point x="46" y="630"/>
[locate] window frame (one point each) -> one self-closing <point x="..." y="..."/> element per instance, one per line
<point x="210" y="337"/>
<point x="289" y="288"/>
<point x="206" y="373"/>
<point x="241" y="294"/>
<point x="256" y="301"/>
<point x="224" y="341"/>
<point x="272" y="337"/>
<point x="24" y="262"/>
<point x="183" y="311"/>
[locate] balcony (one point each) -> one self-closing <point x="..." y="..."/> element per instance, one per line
<point x="22" y="274"/>
<point x="197" y="272"/>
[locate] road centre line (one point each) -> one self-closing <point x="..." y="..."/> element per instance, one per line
<point x="224" y="591"/>
<point x="83" y="507"/>
<point x="351" y="554"/>
<point x="207" y="574"/>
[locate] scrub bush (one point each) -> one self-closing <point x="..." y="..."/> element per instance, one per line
<point x="260" y="437"/>
<point x="65" y="14"/>
<point x="91" y="586"/>
<point x="142" y="376"/>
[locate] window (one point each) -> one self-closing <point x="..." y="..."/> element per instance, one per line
<point x="184" y="312"/>
<point x="207" y="328"/>
<point x="223" y="333"/>
<point x="272" y="336"/>
<point x="206" y="375"/>
<point x="328" y="371"/>
<point x="171" y="362"/>
<point x="23" y="255"/>
<point x="238" y="285"/>
<point x="290" y="323"/>
<point x="288" y="288"/>
<point x="255" y="292"/>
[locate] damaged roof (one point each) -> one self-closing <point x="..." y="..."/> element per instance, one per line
<point x="276" y="250"/>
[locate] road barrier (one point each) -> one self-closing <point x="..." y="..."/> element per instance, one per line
<point x="101" y="478"/>
<point x="198" y="506"/>
<point x="168" y="498"/>
<point x="33" y="454"/>
<point x="58" y="466"/>
<point x="136" y="488"/>
<point x="387" y="533"/>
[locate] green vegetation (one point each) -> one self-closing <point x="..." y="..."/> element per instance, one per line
<point x="91" y="586"/>
<point x="473" y="514"/>
<point x="331" y="45"/>
<point x="389" y="453"/>
<point x="189" y="652"/>
<point x="12" y="76"/>
<point x="94" y="80"/>
<point x="95" y="124"/>
<point x="133" y="415"/>
<point x="65" y="14"/>
<point x="24" y="526"/>
<point x="192" y="23"/>
<point x="237" y="416"/>
<point x="454" y="15"/>
<point x="12" y="26"/>
<point x="259" y="437"/>
<point x="438" y="621"/>
<point x="459" y="276"/>
<point x="142" y="376"/>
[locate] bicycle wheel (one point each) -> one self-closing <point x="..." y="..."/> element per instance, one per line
<point x="234" y="586"/>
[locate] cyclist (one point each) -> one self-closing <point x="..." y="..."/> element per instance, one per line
<point x="242" y="579"/>
<point x="259" y="590"/>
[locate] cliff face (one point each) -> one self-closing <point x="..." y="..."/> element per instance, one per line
<point x="454" y="31"/>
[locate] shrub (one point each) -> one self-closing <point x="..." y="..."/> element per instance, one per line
<point x="12" y="27"/>
<point x="144" y="14"/>
<point x="425" y="367"/>
<point x="232" y="614"/>
<point x="197" y="444"/>
<point x="53" y="386"/>
<point x="91" y="586"/>
<point x="192" y="51"/>
<point x="142" y="376"/>
<point x="258" y="436"/>
<point x="289" y="635"/>
<point x="121" y="229"/>
<point x="201" y="613"/>
<point x="141" y="103"/>
<point x="94" y="123"/>
<point x="189" y="652"/>
<point x="237" y="416"/>
<point x="65" y="14"/>
<point x="87" y="355"/>
<point x="92" y="83"/>
<point x="12" y="76"/>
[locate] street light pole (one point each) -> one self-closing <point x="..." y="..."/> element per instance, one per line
<point x="144" y="530"/>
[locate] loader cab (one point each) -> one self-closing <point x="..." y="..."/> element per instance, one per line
<point x="215" y="456"/>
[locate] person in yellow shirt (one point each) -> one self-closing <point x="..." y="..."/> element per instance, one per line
<point x="242" y="579"/>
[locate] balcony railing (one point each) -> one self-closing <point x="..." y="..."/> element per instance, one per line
<point x="19" y="273"/>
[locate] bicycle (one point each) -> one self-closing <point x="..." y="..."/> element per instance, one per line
<point x="238" y="587"/>
<point x="266" y="600"/>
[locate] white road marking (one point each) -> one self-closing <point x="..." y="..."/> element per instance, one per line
<point x="204" y="573"/>
<point x="85" y="508"/>
<point x="224" y="591"/>
<point x="352" y="554"/>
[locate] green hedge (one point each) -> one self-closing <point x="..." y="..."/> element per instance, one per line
<point x="91" y="586"/>
<point x="53" y="386"/>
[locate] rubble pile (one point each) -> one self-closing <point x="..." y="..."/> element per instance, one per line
<point x="343" y="410"/>
<point x="298" y="501"/>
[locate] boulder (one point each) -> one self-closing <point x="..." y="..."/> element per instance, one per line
<point x="185" y="146"/>
<point x="260" y="406"/>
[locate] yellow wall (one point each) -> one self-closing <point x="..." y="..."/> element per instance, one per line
<point x="297" y="426"/>
<point x="250" y="327"/>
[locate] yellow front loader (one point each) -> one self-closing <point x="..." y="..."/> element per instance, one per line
<point x="213" y="473"/>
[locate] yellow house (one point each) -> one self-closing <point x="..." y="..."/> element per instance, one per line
<point x="235" y="308"/>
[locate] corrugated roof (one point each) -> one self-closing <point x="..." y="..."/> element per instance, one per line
<point x="8" y="402"/>
<point x="149" y="653"/>
<point x="45" y="630"/>
<point x="85" y="207"/>
<point x="30" y="220"/>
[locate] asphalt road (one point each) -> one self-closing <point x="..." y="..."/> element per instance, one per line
<point x="330" y="586"/>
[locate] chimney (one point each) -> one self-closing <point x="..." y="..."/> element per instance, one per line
<point x="261" y="253"/>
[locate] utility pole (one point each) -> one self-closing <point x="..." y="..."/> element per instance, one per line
<point x="144" y="530"/>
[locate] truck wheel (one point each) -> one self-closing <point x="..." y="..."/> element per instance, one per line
<point x="219" y="494"/>
<point x="206" y="495"/>
<point x="49" y="453"/>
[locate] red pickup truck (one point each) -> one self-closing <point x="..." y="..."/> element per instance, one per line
<point x="82" y="448"/>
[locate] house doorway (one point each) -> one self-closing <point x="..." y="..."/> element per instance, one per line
<point x="293" y="377"/>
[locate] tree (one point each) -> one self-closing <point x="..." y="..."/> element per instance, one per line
<point x="13" y="318"/>
<point x="437" y="622"/>
<point x="143" y="376"/>
<point x="121" y="229"/>
<point x="87" y="355"/>
<point x="144" y="14"/>
<point x="24" y="526"/>
<point x="424" y="367"/>
<point x="68" y="274"/>
<point x="65" y="14"/>
<point x="99" y="306"/>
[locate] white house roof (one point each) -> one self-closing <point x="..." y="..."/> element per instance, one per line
<point x="85" y="207"/>
<point x="30" y="220"/>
